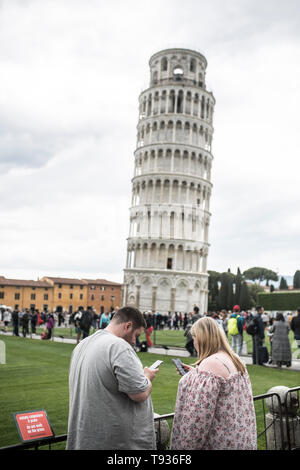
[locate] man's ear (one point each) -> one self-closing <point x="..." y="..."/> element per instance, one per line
<point x="128" y="325"/>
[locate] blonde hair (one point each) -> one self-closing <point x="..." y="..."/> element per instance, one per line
<point x="211" y="338"/>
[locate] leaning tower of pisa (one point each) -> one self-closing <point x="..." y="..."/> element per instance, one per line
<point x="166" y="267"/>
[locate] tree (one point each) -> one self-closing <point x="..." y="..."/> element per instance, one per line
<point x="245" y="301"/>
<point x="260" y="275"/>
<point x="213" y="287"/>
<point x="253" y="290"/>
<point x="296" y="280"/>
<point x="238" y="286"/>
<point x="283" y="284"/>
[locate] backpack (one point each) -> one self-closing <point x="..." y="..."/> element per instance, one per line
<point x="251" y="327"/>
<point x="233" y="326"/>
<point x="85" y="321"/>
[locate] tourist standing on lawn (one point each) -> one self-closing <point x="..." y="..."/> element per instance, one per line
<point x="110" y="406"/>
<point x="295" y="327"/>
<point x="281" y="348"/>
<point x="259" y="337"/>
<point x="15" y="321"/>
<point x="214" y="406"/>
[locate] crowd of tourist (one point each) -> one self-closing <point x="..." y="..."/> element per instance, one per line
<point x="273" y="327"/>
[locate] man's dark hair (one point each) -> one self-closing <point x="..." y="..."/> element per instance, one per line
<point x="259" y="307"/>
<point x="196" y="309"/>
<point x="126" y="314"/>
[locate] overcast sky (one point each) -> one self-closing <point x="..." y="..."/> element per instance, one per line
<point x="71" y="74"/>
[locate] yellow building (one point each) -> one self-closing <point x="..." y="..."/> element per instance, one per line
<point x="68" y="294"/>
<point x="60" y="294"/>
<point x="21" y="294"/>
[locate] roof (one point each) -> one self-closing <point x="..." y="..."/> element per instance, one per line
<point x="65" y="280"/>
<point x="102" y="282"/>
<point x="23" y="283"/>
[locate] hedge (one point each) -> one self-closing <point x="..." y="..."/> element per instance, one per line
<point x="279" y="300"/>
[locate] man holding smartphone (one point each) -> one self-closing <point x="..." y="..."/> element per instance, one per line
<point x="110" y="404"/>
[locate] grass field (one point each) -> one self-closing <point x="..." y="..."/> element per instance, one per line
<point x="35" y="376"/>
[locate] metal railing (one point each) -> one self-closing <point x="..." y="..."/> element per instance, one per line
<point x="278" y="425"/>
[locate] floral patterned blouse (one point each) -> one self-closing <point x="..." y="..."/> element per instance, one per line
<point x="214" y="413"/>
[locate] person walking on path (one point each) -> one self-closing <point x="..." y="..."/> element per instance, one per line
<point x="110" y="406"/>
<point x="214" y="406"/>
<point x="281" y="348"/>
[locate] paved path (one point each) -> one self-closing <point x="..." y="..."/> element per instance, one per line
<point x="170" y="351"/>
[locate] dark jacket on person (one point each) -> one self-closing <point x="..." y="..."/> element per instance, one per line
<point x="295" y="325"/>
<point x="260" y="326"/>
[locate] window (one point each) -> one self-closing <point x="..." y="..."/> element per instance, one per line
<point x="193" y="65"/>
<point x="102" y="288"/>
<point x="164" y="64"/>
<point x="59" y="286"/>
<point x="169" y="263"/>
<point x="92" y="297"/>
<point x="112" y="298"/>
<point x="32" y="297"/>
<point x="46" y="288"/>
<point x="59" y="295"/>
<point x="71" y="296"/>
<point x="71" y="286"/>
<point x="112" y="288"/>
<point x="92" y="287"/>
<point x="81" y="296"/>
<point x="33" y="288"/>
<point x="102" y="297"/>
<point x="45" y="296"/>
<point x="81" y="287"/>
<point x="1" y="295"/>
<point x="17" y="296"/>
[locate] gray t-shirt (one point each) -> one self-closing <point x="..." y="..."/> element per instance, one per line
<point x="104" y="369"/>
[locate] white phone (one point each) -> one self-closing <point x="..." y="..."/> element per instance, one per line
<point x="156" y="364"/>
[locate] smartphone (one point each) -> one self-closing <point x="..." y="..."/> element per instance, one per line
<point x="179" y="366"/>
<point x="156" y="364"/>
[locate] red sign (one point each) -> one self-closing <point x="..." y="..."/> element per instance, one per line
<point x="33" y="425"/>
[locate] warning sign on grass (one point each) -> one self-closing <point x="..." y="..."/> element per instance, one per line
<point x="33" y="425"/>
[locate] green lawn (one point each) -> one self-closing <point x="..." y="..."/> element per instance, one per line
<point x="35" y="376"/>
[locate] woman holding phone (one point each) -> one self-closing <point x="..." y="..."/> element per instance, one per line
<point x="214" y="406"/>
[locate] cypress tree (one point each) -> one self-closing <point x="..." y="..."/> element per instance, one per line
<point x="238" y="285"/>
<point x="245" y="301"/>
<point x="283" y="284"/>
<point x="296" y="280"/>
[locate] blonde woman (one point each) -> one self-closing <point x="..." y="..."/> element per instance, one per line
<point x="214" y="406"/>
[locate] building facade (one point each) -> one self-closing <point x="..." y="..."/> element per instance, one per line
<point x="60" y="294"/>
<point x="167" y="247"/>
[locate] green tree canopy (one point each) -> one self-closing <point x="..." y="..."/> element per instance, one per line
<point x="260" y="274"/>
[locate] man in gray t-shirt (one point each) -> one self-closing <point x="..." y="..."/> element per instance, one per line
<point x="110" y="406"/>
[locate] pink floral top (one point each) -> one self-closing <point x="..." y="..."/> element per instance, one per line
<point x="214" y="413"/>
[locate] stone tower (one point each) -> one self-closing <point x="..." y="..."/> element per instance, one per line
<point x="169" y="215"/>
